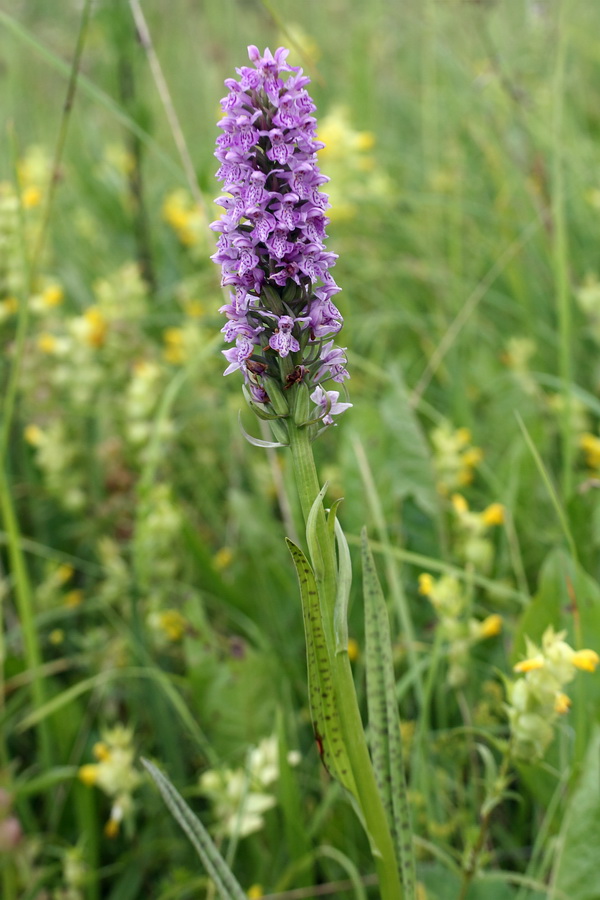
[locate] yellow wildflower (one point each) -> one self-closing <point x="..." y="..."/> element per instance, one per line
<point x="223" y="558"/>
<point x="493" y="514"/>
<point x="530" y="665"/>
<point x="56" y="636"/>
<point x="33" y="434"/>
<point x="562" y="703"/>
<point x="491" y="626"/>
<point x="73" y="598"/>
<point x="538" y="699"/>
<point x="96" y="327"/>
<point x="101" y="751"/>
<point x="255" y="892"/>
<point x="46" y="343"/>
<point x="465" y="477"/>
<point x="88" y="774"/>
<point x="114" y="774"/>
<point x="184" y="217"/>
<point x="459" y="503"/>
<point x="173" y="624"/>
<point x="472" y="457"/>
<point x="426" y="583"/>
<point x="175" y="351"/>
<point x="111" y="829"/>
<point x="31" y="197"/>
<point x="590" y="444"/>
<point x="586" y="660"/>
<point x="52" y="295"/>
<point x="454" y="459"/>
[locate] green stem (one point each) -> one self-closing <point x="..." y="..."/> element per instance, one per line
<point x="375" y="819"/>
<point x="472" y="859"/>
<point x="9" y="878"/>
<point x="24" y="603"/>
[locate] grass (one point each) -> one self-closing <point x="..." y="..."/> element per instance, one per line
<point x="145" y="581"/>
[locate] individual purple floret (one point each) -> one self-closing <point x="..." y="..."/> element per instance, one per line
<point x="280" y="316"/>
<point x="327" y="403"/>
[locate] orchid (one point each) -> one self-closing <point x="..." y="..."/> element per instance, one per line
<point x="271" y="245"/>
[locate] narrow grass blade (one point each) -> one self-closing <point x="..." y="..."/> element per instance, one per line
<point x="321" y="689"/>
<point x="384" y="722"/>
<point x="87" y="87"/>
<point x="552" y="493"/>
<point x="349" y="867"/>
<point x="224" y="879"/>
<point x="165" y="681"/>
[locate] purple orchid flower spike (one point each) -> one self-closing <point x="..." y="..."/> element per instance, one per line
<point x="271" y="245"/>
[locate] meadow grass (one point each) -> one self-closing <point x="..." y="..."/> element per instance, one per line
<point x="148" y="603"/>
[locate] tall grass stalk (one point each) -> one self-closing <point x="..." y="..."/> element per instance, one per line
<point x="560" y="247"/>
<point x="165" y="95"/>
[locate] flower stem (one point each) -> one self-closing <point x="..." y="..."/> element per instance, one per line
<point x="373" y="812"/>
<point x="472" y="861"/>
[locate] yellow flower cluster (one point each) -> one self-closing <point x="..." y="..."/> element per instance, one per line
<point x="20" y="206"/>
<point x="347" y="160"/>
<point x="185" y="218"/>
<point x="457" y="629"/>
<point x="114" y="773"/>
<point x="454" y="457"/>
<point x="537" y="699"/>
<point x="473" y="546"/>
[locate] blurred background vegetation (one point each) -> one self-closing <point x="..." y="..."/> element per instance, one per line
<point x="147" y="599"/>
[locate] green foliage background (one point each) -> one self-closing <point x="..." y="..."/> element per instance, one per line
<point x="475" y="225"/>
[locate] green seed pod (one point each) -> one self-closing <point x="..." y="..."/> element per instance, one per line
<point x="301" y="403"/>
<point x="278" y="398"/>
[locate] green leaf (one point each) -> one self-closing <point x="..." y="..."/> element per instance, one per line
<point x="213" y="862"/>
<point x="384" y="722"/>
<point x="576" y="872"/>
<point x="321" y="689"/>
